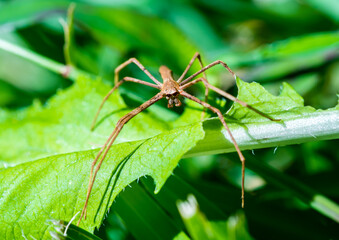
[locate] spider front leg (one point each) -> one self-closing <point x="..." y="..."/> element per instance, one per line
<point x="222" y="120"/>
<point x="117" y="85"/>
<point x="136" y="62"/>
<point x="208" y="67"/>
<point x="196" y="56"/>
<point x="109" y="142"/>
<point x="203" y="70"/>
<point x="228" y="96"/>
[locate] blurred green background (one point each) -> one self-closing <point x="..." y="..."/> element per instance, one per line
<point x="261" y="40"/>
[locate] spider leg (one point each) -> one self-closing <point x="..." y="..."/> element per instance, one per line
<point x="208" y="67"/>
<point x="125" y="79"/>
<point x="108" y="144"/>
<point x="227" y="95"/>
<point x="222" y="120"/>
<point x="196" y="56"/>
<point x="136" y="62"/>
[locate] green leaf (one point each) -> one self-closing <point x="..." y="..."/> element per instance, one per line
<point x="328" y="7"/>
<point x="262" y="100"/>
<point x="302" y="45"/>
<point x="177" y="188"/>
<point x="313" y="198"/>
<point x="21" y="13"/>
<point x="63" y="125"/>
<point x="27" y="203"/>
<point x="144" y="216"/>
<point x="129" y="26"/>
<point x="288" y="56"/>
<point x="200" y="227"/>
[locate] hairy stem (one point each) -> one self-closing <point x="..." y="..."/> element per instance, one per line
<point x="313" y="126"/>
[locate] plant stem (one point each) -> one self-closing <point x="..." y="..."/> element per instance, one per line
<point x="312" y="126"/>
<point x="64" y="70"/>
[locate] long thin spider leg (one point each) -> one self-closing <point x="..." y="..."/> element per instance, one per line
<point x="93" y="174"/>
<point x="227" y="95"/>
<point x="196" y="56"/>
<point x="110" y="141"/>
<point x="208" y="67"/>
<point x="136" y="62"/>
<point x="125" y="79"/>
<point x="221" y="117"/>
<point x="84" y="211"/>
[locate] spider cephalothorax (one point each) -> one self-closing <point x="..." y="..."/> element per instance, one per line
<point x="170" y="88"/>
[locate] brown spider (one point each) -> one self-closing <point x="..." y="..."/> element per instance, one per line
<point x="171" y="90"/>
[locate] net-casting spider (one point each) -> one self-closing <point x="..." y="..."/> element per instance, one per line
<point x="171" y="90"/>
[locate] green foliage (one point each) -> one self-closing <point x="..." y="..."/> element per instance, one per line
<point x="262" y="100"/>
<point x="63" y="170"/>
<point x="200" y="228"/>
<point x="47" y="108"/>
<point x="64" y="136"/>
<point x="63" y="124"/>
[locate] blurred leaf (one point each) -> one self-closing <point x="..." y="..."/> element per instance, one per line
<point x="303" y="83"/>
<point x="144" y="217"/>
<point x="113" y="226"/>
<point x="259" y="207"/>
<point x="200" y="227"/>
<point x="177" y="188"/>
<point x="196" y="223"/>
<point x="20" y="13"/>
<point x="301" y="45"/>
<point x="34" y="79"/>
<point x="329" y="7"/>
<point x="277" y="17"/>
<point x="315" y="163"/>
<point x="196" y="28"/>
<point x="311" y="197"/>
<point x="9" y="96"/>
<point x="130" y="27"/>
<point x="288" y="56"/>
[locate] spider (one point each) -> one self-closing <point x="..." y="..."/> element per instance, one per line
<point x="171" y="90"/>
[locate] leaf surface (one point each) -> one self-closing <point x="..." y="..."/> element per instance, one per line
<point x="63" y="124"/>
<point x="55" y="149"/>
<point x="55" y="187"/>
